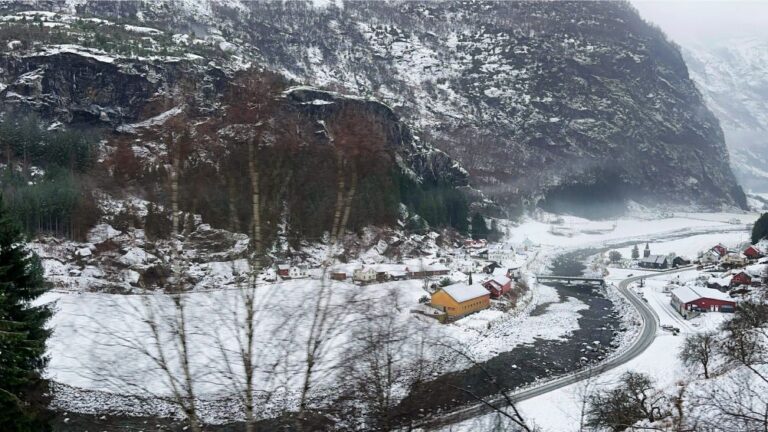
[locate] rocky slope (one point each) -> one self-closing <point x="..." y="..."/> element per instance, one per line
<point x="733" y="76"/>
<point x="540" y="101"/>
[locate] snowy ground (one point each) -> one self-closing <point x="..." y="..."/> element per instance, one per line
<point x="561" y="410"/>
<point x="98" y="337"/>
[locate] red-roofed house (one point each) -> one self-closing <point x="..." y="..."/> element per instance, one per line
<point x="720" y="249"/>
<point x="752" y="252"/>
<point x="498" y="286"/>
<point x="741" y="278"/>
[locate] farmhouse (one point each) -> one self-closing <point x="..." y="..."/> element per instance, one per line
<point x="283" y="270"/>
<point x="421" y="269"/>
<point x="498" y="286"/>
<point x="752" y="252"/>
<point x="298" y="272"/>
<point x="686" y="299"/>
<point x="720" y="250"/>
<point x="655" y="262"/>
<point x="741" y="278"/>
<point x="709" y="257"/>
<point x="461" y="299"/>
<point x="501" y="256"/>
<point x="733" y="260"/>
<point x="719" y="283"/>
<point x="339" y="275"/>
<point x="364" y="275"/>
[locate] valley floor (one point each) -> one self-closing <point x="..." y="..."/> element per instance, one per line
<point x="102" y="351"/>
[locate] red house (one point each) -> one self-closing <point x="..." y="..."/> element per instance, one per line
<point x="697" y="299"/>
<point x="741" y="278"/>
<point x="498" y="286"/>
<point x="283" y="270"/>
<point x="752" y="252"/>
<point x="720" y="249"/>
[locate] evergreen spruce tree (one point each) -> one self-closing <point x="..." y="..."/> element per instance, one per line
<point x="479" y="228"/>
<point x="23" y="392"/>
<point x="760" y="229"/>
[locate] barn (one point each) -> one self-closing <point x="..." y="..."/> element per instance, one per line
<point x="687" y="299"/>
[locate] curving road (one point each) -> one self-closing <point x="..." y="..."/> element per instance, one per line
<point x="647" y="336"/>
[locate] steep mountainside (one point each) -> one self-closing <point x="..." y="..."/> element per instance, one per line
<point x="733" y="76"/>
<point x="548" y="102"/>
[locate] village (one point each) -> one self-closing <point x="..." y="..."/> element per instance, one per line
<point x="474" y="276"/>
<point x="479" y="275"/>
<point x="714" y="281"/>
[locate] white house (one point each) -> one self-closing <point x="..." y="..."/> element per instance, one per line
<point x="270" y="275"/>
<point x="298" y="272"/>
<point x="364" y="274"/>
<point x="709" y="257"/>
<point x="501" y="255"/>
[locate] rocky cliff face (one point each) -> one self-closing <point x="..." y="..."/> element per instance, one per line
<point x="733" y="76"/>
<point x="539" y="101"/>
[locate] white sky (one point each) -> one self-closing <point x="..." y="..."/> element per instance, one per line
<point x="691" y="21"/>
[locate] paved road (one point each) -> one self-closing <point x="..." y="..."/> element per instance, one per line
<point x="647" y="336"/>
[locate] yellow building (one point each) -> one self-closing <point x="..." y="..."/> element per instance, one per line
<point x="461" y="299"/>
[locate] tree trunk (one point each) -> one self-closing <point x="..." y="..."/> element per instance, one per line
<point x="175" y="193"/>
<point x="348" y="201"/>
<point x="233" y="219"/>
<point x="339" y="197"/>
<point x="253" y="168"/>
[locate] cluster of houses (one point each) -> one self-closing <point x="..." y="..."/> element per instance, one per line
<point x="371" y="273"/>
<point x="744" y="268"/>
<point x="724" y="257"/>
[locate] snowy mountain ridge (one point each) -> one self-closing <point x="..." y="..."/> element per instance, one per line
<point x="733" y="77"/>
<point x="516" y="92"/>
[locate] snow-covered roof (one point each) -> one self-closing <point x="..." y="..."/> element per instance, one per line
<point x="687" y="294"/>
<point x="283" y="266"/>
<point x="419" y="265"/>
<point x="501" y="279"/>
<point x="655" y="259"/>
<point x="462" y="292"/>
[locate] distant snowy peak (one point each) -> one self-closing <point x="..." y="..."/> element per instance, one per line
<point x="733" y="76"/>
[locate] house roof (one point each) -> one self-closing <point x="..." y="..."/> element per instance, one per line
<point x="655" y="259"/>
<point x="687" y="294"/>
<point x="462" y="292"/>
<point x="501" y="279"/>
<point x="283" y="266"/>
<point x="422" y="266"/>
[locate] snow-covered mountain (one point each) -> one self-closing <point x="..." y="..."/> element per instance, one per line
<point x="554" y="103"/>
<point x="733" y="77"/>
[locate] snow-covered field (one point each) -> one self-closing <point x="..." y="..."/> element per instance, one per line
<point x="99" y="338"/>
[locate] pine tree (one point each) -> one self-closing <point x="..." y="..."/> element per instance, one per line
<point x="760" y="229"/>
<point x="23" y="334"/>
<point x="635" y="252"/>
<point x="479" y="228"/>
